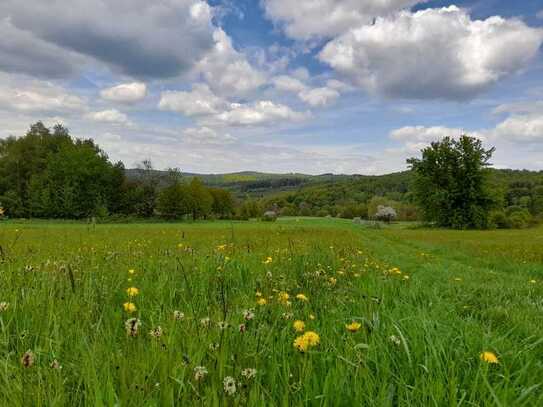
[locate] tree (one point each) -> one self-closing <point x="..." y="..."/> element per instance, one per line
<point x="385" y="213"/>
<point x="174" y="201"/>
<point x="450" y="183"/>
<point x="223" y="203"/>
<point x="201" y="198"/>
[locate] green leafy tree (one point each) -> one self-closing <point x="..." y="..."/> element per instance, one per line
<point x="451" y="183"/>
<point x="223" y="202"/>
<point x="175" y="201"/>
<point x="201" y="198"/>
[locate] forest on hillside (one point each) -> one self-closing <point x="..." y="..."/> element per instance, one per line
<point x="47" y="173"/>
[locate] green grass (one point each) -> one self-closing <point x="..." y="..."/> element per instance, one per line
<point x="466" y="292"/>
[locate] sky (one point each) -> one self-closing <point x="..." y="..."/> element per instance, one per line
<point x="327" y="86"/>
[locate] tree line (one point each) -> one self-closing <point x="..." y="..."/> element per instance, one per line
<point x="49" y="174"/>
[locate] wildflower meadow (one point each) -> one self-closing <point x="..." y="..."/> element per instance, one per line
<point x="295" y="312"/>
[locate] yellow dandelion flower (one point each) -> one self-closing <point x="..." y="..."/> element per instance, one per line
<point x="261" y="301"/>
<point x="302" y="297"/>
<point x="533" y="281"/>
<point x="132" y="291"/>
<point x="489" y="357"/>
<point x="299" y="326"/>
<point x="283" y="297"/>
<point x="312" y="338"/>
<point x="258" y="294"/>
<point x="301" y="343"/>
<point x="311" y="317"/>
<point x="332" y="280"/>
<point x="180" y="245"/>
<point x="221" y="247"/>
<point x="131" y="271"/>
<point x="353" y="326"/>
<point x="129" y="307"/>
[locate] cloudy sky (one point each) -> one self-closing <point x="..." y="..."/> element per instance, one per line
<point x="314" y="86"/>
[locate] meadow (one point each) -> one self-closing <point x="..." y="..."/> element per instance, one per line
<point x="296" y="312"/>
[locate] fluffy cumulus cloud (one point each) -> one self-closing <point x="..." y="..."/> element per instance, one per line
<point x="319" y="96"/>
<point x="213" y="110"/>
<point x="433" y="53"/>
<point x="37" y="96"/>
<point x="315" y="97"/>
<point x="136" y="37"/>
<point x="307" y="19"/>
<point x="200" y="101"/>
<point x="226" y="70"/>
<point x="259" y="113"/>
<point x="112" y="116"/>
<point x="125" y="93"/>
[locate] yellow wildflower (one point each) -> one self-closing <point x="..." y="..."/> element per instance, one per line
<point x="302" y="297"/>
<point x="132" y="291"/>
<point x="332" y="280"/>
<point x="129" y="307"/>
<point x="311" y="317"/>
<point x="301" y="343"/>
<point x="353" y="326"/>
<point x="2" y="211"/>
<point x="283" y="297"/>
<point x="312" y="338"/>
<point x="489" y="357"/>
<point x="533" y="281"/>
<point x="268" y="260"/>
<point x="131" y="271"/>
<point x="261" y="301"/>
<point x="258" y="294"/>
<point x="299" y="326"/>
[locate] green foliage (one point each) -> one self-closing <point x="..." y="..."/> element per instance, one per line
<point x="48" y="174"/>
<point x="450" y="183"/>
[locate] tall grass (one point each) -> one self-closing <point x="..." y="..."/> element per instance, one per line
<point x="429" y="302"/>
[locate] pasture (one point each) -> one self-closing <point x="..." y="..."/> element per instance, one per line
<point x="218" y="313"/>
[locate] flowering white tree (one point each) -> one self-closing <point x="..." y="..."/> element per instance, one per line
<point x="385" y="213"/>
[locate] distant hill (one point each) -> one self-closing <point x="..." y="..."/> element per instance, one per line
<point x="262" y="185"/>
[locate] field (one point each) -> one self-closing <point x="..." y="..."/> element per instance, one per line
<point x="397" y="316"/>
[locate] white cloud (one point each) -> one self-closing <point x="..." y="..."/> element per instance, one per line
<point x="125" y="93"/>
<point x="319" y="96"/>
<point x="315" y="97"/>
<point x="37" y="96"/>
<point x="199" y="101"/>
<point x="227" y="71"/>
<point x="112" y="116"/>
<point x="306" y="19"/>
<point x="206" y="135"/>
<point x="520" y="128"/>
<point x="259" y="113"/>
<point x="287" y="83"/>
<point x="213" y="110"/>
<point x="433" y="53"/>
<point x="520" y="107"/>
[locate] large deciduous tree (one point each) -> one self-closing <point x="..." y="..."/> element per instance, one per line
<point x="450" y="183"/>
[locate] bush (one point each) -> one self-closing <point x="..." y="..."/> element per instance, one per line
<point x="498" y="219"/>
<point x="520" y="219"/>
<point x="269" y="216"/>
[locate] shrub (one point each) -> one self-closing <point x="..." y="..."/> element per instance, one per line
<point x="269" y="216"/>
<point x="498" y="219"/>
<point x="520" y="219"/>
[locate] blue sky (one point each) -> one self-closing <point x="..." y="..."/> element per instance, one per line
<point x="343" y="86"/>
